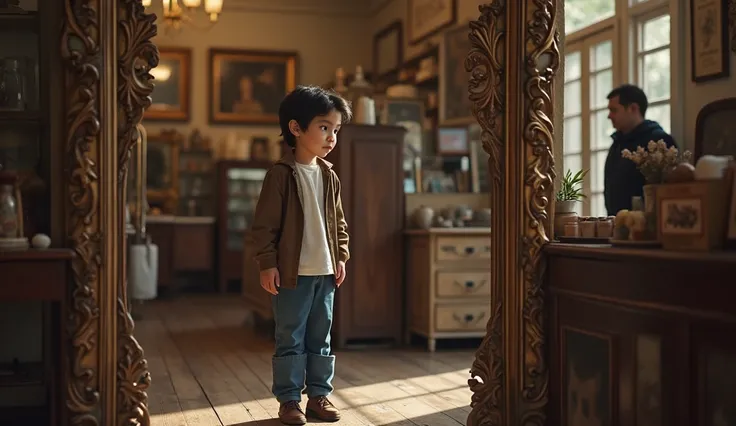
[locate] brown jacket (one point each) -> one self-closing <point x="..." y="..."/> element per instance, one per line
<point x="278" y="225"/>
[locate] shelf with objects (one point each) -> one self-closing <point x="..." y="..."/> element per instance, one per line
<point x="239" y="185"/>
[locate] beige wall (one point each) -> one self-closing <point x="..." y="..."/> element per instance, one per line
<point x="325" y="41"/>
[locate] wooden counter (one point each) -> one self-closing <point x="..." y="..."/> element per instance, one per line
<point x="185" y="244"/>
<point x="641" y="336"/>
<point x="41" y="276"/>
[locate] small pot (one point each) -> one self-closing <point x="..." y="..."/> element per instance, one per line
<point x="565" y="211"/>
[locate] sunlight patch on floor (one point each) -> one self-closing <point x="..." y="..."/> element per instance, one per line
<point x="343" y="396"/>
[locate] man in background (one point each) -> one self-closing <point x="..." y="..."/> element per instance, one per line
<point x="627" y="107"/>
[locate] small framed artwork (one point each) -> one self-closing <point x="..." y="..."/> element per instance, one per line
<point x="172" y="84"/>
<point x="709" y="39"/>
<point x="162" y="167"/>
<point x="452" y="141"/>
<point x="428" y="17"/>
<point x="388" y="46"/>
<point x="455" y="106"/>
<point x="247" y="86"/>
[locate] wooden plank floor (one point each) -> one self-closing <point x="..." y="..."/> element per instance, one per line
<point x="209" y="369"/>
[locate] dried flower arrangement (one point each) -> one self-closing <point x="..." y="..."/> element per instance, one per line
<point x="656" y="160"/>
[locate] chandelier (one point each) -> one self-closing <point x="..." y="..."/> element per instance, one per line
<point x="175" y="15"/>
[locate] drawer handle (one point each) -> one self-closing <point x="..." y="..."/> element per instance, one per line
<point x="470" y="285"/>
<point x="468" y="319"/>
<point x="469" y="250"/>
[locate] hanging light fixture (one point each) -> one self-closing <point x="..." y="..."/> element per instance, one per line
<point x="176" y="14"/>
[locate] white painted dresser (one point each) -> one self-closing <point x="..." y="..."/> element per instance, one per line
<point x="448" y="283"/>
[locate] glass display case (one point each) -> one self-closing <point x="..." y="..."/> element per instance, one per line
<point x="239" y="185"/>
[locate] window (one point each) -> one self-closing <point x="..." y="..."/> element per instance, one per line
<point x="653" y="67"/>
<point x="589" y="78"/>
<point x="583" y="13"/>
<point x="604" y="49"/>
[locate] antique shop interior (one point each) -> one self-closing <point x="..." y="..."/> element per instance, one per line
<point x="493" y="278"/>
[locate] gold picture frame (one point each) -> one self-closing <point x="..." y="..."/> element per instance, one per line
<point x="162" y="169"/>
<point x="247" y="86"/>
<point x="172" y="86"/>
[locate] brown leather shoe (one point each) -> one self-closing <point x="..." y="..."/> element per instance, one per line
<point x="321" y="408"/>
<point x="290" y="413"/>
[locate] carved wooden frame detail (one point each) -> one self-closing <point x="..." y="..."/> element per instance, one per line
<point x="107" y="52"/>
<point x="513" y="102"/>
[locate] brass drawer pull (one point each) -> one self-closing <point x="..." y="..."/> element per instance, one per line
<point x="469" y="250"/>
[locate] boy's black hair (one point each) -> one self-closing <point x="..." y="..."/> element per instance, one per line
<point x="306" y="102"/>
<point x="629" y="94"/>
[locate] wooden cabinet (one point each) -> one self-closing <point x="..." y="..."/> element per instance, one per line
<point x="448" y="283"/>
<point x="368" y="305"/>
<point x="39" y="276"/>
<point x="185" y="244"/>
<point x="641" y="336"/>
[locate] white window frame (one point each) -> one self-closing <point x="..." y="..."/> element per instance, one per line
<point x="604" y="31"/>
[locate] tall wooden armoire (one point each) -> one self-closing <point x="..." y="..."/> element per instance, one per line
<point x="368" y="305"/>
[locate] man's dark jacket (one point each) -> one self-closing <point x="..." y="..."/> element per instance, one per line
<point x="622" y="179"/>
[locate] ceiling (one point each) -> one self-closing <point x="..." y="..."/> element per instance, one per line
<point x="324" y="7"/>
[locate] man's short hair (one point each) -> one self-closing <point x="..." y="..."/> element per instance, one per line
<point x="629" y="94"/>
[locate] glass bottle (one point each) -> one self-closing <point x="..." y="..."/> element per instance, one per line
<point x="8" y="208"/>
<point x="12" y="93"/>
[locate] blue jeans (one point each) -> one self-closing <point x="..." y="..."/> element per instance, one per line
<point x="303" y="319"/>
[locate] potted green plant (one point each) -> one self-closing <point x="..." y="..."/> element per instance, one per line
<point x="568" y="199"/>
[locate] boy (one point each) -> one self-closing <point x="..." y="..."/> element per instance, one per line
<point x="300" y="242"/>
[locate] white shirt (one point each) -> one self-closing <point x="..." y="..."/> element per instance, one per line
<point x="315" y="256"/>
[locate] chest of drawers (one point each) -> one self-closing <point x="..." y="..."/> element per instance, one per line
<point x="448" y="283"/>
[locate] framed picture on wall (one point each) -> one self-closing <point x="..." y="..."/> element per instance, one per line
<point x="452" y="141"/>
<point x="428" y="17"/>
<point x="172" y="84"/>
<point x="247" y="86"/>
<point x="388" y="46"/>
<point x="455" y="106"/>
<point x="709" y="39"/>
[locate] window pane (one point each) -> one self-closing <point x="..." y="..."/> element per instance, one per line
<point x="572" y="66"/>
<point x="601" y="56"/>
<point x="601" y="85"/>
<point x="656" y="75"/>
<point x="582" y="13"/>
<point x="655" y="33"/>
<point x="573" y="134"/>
<point x="571" y="162"/>
<point x="661" y="114"/>
<point x="572" y="98"/>
<point x="597" y="205"/>
<point x="597" y="167"/>
<point x="600" y="130"/>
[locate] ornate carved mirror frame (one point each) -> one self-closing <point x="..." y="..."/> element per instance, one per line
<point x="513" y="61"/>
<point x="106" y="51"/>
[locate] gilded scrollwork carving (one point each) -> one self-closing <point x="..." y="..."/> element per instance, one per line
<point x="136" y="57"/>
<point x="542" y="62"/>
<point x="485" y="63"/>
<point x="513" y="104"/>
<point x="80" y="51"/>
